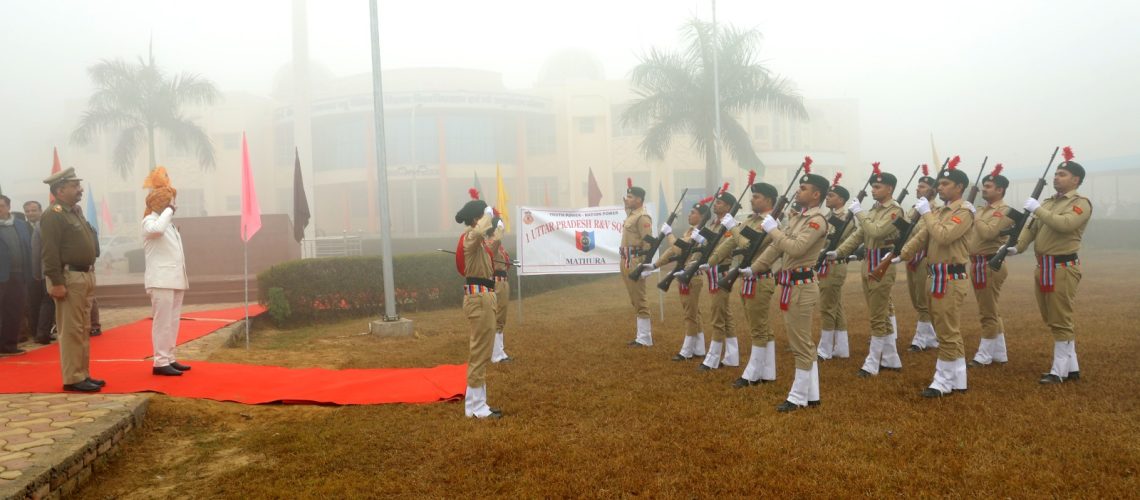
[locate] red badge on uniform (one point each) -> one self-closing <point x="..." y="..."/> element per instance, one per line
<point x="813" y="225"/>
<point x="956" y="219"/>
<point x="893" y="216"/>
<point x="997" y="213"/>
<point x="1078" y="210"/>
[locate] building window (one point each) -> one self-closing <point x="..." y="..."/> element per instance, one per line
<point x="585" y="124"/>
<point x="479" y="139"/>
<point x="540" y="135"/>
<point x="339" y="142"/>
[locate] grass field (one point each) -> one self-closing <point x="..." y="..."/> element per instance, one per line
<point x="587" y="416"/>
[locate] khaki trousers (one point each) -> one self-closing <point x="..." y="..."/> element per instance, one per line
<point x="691" y="306"/>
<point x="988" y="300"/>
<point x="636" y="290"/>
<point x="946" y="313"/>
<point x="722" y="323"/>
<point x="756" y="311"/>
<point x="797" y="322"/>
<point x="480" y="312"/>
<point x="918" y="284"/>
<point x="502" y="298"/>
<point x="73" y="323"/>
<point x="831" y="314"/>
<point x="879" y="305"/>
<point x="1057" y="306"/>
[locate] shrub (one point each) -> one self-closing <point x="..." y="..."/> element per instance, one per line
<point x="278" y="306"/>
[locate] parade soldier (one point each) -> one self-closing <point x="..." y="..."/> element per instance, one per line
<point x="501" y="262"/>
<point x="724" y="347"/>
<point x="798" y="245"/>
<point x="473" y="261"/>
<point x="877" y="233"/>
<point x="982" y="242"/>
<point x="1055" y="232"/>
<point x="832" y="274"/>
<point x="694" y="343"/>
<point x="756" y="290"/>
<point x="944" y="237"/>
<point x="917" y="277"/>
<point x="69" y="251"/>
<point x="638" y="225"/>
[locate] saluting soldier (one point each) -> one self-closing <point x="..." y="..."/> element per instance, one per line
<point x="473" y="261"/>
<point x="798" y="246"/>
<point x="877" y="233"/>
<point x="983" y="241"/>
<point x="724" y="348"/>
<point x="917" y="275"/>
<point x="944" y="238"/>
<point x="501" y="263"/>
<point x="832" y="274"/>
<point x="69" y="251"/>
<point x="756" y="289"/>
<point x="1055" y="231"/>
<point x="638" y="225"/>
<point x="694" y="343"/>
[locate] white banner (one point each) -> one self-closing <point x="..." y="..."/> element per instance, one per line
<point x="561" y="241"/>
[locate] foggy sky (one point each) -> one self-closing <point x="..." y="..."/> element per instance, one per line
<point x="1010" y="79"/>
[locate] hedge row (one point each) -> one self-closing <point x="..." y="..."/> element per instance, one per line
<point x="334" y="288"/>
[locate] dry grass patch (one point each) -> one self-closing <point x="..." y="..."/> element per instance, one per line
<point x="587" y="416"/>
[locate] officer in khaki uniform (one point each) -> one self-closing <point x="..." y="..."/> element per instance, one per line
<point x="724" y="327"/>
<point x="1055" y="232"/>
<point x="877" y="233"/>
<point x="501" y="263"/>
<point x="832" y="274"/>
<point x="694" y="343"/>
<point x="798" y="246"/>
<point x="983" y="241"/>
<point x="69" y="251"/>
<point x="756" y="290"/>
<point x="473" y="261"/>
<point x="917" y="275"/>
<point x="638" y="225"/>
<point x="944" y="237"/>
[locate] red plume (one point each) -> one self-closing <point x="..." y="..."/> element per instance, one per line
<point x="1068" y="153"/>
<point x="997" y="170"/>
<point x="723" y="189"/>
<point x="807" y="164"/>
<point x="876" y="171"/>
<point x="925" y="170"/>
<point x="954" y="163"/>
<point x="838" y="175"/>
<point x="474" y="193"/>
<point x="751" y="177"/>
<point x="628" y="182"/>
<point x="496" y="212"/>
<point x="706" y="201"/>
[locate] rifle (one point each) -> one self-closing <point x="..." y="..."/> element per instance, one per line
<point x="655" y="243"/>
<point x="905" y="228"/>
<point x="974" y="189"/>
<point x="756" y="238"/>
<point x="713" y="239"/>
<point x="686" y="250"/>
<point x="1025" y="216"/>
<point x="836" y="238"/>
<point x="902" y="195"/>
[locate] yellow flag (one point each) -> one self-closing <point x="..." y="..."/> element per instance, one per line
<point x="501" y="201"/>
<point x="934" y="154"/>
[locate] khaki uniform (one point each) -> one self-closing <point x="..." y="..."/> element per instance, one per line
<point x="983" y="241"/>
<point x="479" y="299"/>
<point x="501" y="265"/>
<point x="756" y="292"/>
<point x="723" y="325"/>
<point x="917" y="276"/>
<point x="637" y="226"/>
<point x="1055" y="232"/>
<point x="832" y="275"/>
<point x="69" y="247"/>
<point x="690" y="295"/>
<point x="797" y="246"/>
<point x="877" y="233"/>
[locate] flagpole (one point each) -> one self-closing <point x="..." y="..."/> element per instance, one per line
<point x="390" y="314"/>
<point x="245" y="258"/>
<point x="716" y="101"/>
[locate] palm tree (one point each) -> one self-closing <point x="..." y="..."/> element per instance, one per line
<point x="675" y="92"/>
<point x="138" y="100"/>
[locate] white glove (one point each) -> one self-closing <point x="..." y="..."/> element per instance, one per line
<point x="896" y="260"/>
<point x="703" y="268"/>
<point x="698" y="238"/>
<point x="1010" y="251"/>
<point x="679" y="273"/>
<point x="768" y="224"/>
<point x="647" y="269"/>
<point x="922" y="206"/>
<point x="746" y="272"/>
<point x="831" y="255"/>
<point x="501" y="224"/>
<point x="854" y="207"/>
<point x="488" y="210"/>
<point x="1032" y="205"/>
<point x="970" y="206"/>
<point x="666" y="229"/>
<point x="728" y="221"/>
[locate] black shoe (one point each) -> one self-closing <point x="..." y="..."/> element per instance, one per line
<point x="1073" y="377"/>
<point x="704" y="368"/>
<point x="507" y="359"/>
<point x="890" y="369"/>
<point x="788" y="406"/>
<point x="931" y="393"/>
<point x="82" y="386"/>
<point x="95" y="332"/>
<point x="678" y="357"/>
<point x="495" y="415"/>
<point x="914" y="348"/>
<point x="167" y="370"/>
<point x="863" y="374"/>
<point x="813" y="404"/>
<point x="16" y="350"/>
<point x="975" y="364"/>
<point x="97" y="382"/>
<point x="634" y="343"/>
<point x="742" y="382"/>
<point x="180" y="367"/>
<point x="44" y="341"/>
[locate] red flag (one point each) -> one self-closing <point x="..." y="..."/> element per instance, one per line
<point x="250" y="210"/>
<point x="105" y="215"/>
<point x="55" y="167"/>
<point x="595" y="193"/>
<point x="300" y="202"/>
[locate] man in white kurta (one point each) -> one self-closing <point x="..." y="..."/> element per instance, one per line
<point x="165" y="281"/>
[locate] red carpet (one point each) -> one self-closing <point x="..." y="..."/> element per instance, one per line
<point x="118" y="355"/>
